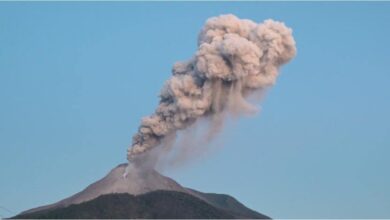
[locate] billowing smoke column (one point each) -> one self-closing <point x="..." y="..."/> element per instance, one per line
<point x="235" y="58"/>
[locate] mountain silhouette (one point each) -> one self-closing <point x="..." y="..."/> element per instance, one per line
<point x="141" y="194"/>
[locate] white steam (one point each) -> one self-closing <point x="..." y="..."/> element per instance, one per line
<point x="235" y="58"/>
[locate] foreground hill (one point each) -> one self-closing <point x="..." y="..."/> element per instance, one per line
<point x="157" y="204"/>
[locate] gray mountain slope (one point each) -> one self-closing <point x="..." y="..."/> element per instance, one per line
<point x="138" y="183"/>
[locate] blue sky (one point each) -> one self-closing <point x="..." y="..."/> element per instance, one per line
<point x="75" y="79"/>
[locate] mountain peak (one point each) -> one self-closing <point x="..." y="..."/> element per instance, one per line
<point x="139" y="182"/>
<point x="136" y="182"/>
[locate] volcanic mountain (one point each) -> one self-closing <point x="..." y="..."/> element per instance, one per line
<point x="142" y="194"/>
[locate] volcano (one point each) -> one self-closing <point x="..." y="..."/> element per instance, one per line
<point x="141" y="194"/>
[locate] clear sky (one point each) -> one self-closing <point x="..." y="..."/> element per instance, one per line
<point x="75" y="79"/>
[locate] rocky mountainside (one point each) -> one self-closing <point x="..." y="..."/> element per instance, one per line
<point x="142" y="194"/>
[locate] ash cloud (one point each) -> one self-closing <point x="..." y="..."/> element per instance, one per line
<point x="235" y="58"/>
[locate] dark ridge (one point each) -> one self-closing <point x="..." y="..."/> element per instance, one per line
<point x="157" y="204"/>
<point x="230" y="205"/>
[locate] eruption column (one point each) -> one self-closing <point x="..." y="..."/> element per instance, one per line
<point x="235" y="58"/>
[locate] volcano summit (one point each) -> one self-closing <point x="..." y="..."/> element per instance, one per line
<point x="146" y="194"/>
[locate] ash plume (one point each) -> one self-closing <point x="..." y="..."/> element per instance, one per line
<point x="235" y="58"/>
